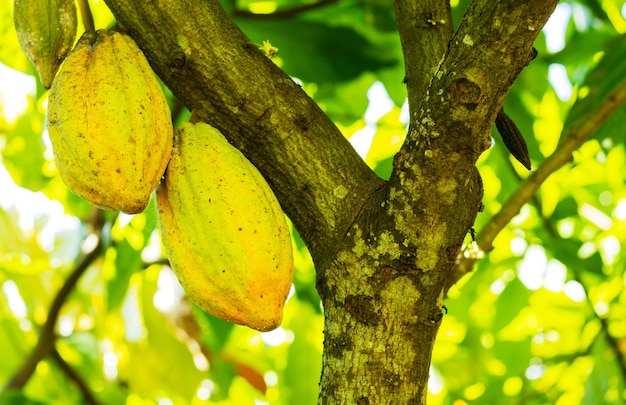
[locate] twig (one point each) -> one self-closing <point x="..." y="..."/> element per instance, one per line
<point x="45" y="344"/>
<point x="163" y="262"/>
<point x="88" y="396"/>
<point x="572" y="139"/>
<point x="611" y="341"/>
<point x="283" y="13"/>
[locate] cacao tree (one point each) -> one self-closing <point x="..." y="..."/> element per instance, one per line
<point x="413" y="284"/>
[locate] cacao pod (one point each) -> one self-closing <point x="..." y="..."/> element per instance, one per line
<point x="513" y="138"/>
<point x="109" y="123"/>
<point x="46" y="30"/>
<point x="224" y="231"/>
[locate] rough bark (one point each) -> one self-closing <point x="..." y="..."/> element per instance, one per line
<point x="382" y="249"/>
<point x="425" y="30"/>
<point x="226" y="81"/>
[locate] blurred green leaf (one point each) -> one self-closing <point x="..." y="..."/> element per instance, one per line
<point x="300" y="384"/>
<point x="10" y="52"/>
<point x="315" y="52"/>
<point x="165" y="360"/>
<point x="15" y="397"/>
<point x="608" y="75"/>
<point x="128" y="254"/>
<point x="500" y="343"/>
<point x="23" y="154"/>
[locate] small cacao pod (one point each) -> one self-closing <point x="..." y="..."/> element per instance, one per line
<point x="224" y="231"/>
<point x="109" y="123"/>
<point x="513" y="138"/>
<point x="46" y="30"/>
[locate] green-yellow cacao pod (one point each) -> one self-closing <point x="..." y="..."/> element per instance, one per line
<point x="46" y="30"/>
<point x="224" y="231"/>
<point x="109" y="123"/>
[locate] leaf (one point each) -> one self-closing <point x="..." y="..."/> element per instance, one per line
<point x="23" y="154"/>
<point x="304" y="274"/>
<point x="511" y="302"/>
<point x="20" y="251"/>
<point x="608" y="75"/>
<point x="17" y="397"/>
<point x="345" y="102"/>
<point x="11" y="54"/>
<point x="128" y="256"/>
<point x="389" y="136"/>
<point x="391" y="78"/>
<point x="215" y="335"/>
<point x="215" y="331"/>
<point x="161" y="359"/>
<point x="304" y="357"/>
<point x="316" y="52"/>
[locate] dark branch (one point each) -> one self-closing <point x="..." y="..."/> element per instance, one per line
<point x="610" y="340"/>
<point x="74" y="376"/>
<point x="47" y="337"/>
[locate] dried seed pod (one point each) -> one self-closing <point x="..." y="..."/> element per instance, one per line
<point x="513" y="139"/>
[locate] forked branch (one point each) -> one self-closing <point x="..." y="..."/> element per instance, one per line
<point x="572" y="139"/>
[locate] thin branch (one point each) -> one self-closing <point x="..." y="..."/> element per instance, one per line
<point x="425" y="28"/>
<point x="575" y="136"/>
<point x="610" y="340"/>
<point x="162" y="262"/>
<point x="47" y="337"/>
<point x="285" y="12"/>
<point x="614" y="345"/>
<point x="88" y="396"/>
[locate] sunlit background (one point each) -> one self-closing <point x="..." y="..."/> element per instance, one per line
<point x="31" y="221"/>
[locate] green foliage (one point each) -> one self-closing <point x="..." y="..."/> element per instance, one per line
<point x="541" y="319"/>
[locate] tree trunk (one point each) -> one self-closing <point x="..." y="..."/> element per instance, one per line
<point x="382" y="249"/>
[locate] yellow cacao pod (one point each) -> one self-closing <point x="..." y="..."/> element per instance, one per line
<point x="224" y="231"/>
<point x="109" y="123"/>
<point x="46" y="30"/>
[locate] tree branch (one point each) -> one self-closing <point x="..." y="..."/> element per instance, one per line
<point x="610" y="340"/>
<point x="574" y="136"/>
<point x="425" y="29"/>
<point x="74" y="376"/>
<point x="434" y="172"/>
<point x="382" y="293"/>
<point x="47" y="337"/>
<point x="223" y="78"/>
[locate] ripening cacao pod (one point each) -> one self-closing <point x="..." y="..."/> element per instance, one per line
<point x="109" y="123"/>
<point x="224" y="231"/>
<point x="46" y="30"/>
